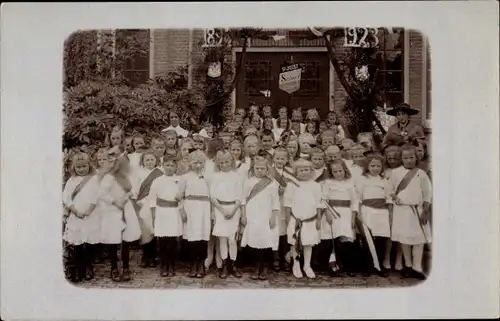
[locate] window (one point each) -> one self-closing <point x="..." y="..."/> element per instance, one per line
<point x="390" y="63"/>
<point x="309" y="79"/>
<point x="134" y="43"/>
<point x="258" y="77"/>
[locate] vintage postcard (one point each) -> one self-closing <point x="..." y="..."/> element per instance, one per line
<point x="241" y="169"/>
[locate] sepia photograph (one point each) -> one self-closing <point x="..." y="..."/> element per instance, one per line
<point x="247" y="158"/>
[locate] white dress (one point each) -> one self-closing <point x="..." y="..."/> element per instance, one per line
<point x="243" y="168"/>
<point x="406" y="227"/>
<point x="87" y="229"/>
<point x="339" y="191"/>
<point x="226" y="187"/>
<point x="377" y="219"/>
<point x="198" y="223"/>
<point x="145" y="211"/>
<point x="259" y="209"/>
<point x="112" y="221"/>
<point x="134" y="161"/>
<point x="304" y="202"/>
<point x="168" y="221"/>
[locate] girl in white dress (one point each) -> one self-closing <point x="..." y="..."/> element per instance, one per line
<point x="138" y="143"/>
<point x="119" y="219"/>
<point x="172" y="142"/>
<point x="167" y="219"/>
<point x="159" y="147"/>
<point x="226" y="196"/>
<point x="259" y="215"/>
<point x="374" y="194"/>
<point x="82" y="221"/>
<point x="251" y="147"/>
<point x="146" y="175"/>
<point x="194" y="192"/>
<point x="236" y="149"/>
<point x="303" y="206"/>
<point x="412" y="195"/>
<point x="340" y="194"/>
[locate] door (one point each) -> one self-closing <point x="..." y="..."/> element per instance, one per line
<point x="261" y="74"/>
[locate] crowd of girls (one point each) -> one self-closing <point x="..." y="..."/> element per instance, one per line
<point x="275" y="193"/>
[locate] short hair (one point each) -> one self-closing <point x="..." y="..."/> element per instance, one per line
<point x="171" y="132"/>
<point x="170" y="158"/>
<point x="301" y="162"/>
<point x="148" y="152"/>
<point x="255" y="160"/>
<point x="369" y="159"/>
<point x="348" y="174"/>
<point x="79" y="157"/>
<point x="221" y="154"/>
<point x="137" y="136"/>
<point x="158" y="139"/>
<point x="317" y="150"/>
<point x="240" y="143"/>
<point x="409" y="147"/>
<point x="280" y="149"/>
<point x="249" y="138"/>
<point x="267" y="133"/>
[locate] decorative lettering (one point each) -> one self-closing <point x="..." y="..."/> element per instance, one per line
<point x="358" y="37"/>
<point x="212" y="37"/>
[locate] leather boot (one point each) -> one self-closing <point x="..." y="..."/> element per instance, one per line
<point x="224" y="273"/>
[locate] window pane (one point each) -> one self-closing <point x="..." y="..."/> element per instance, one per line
<point x="257" y="77"/>
<point x="394" y="40"/>
<point x="394" y="81"/>
<point x="394" y="60"/>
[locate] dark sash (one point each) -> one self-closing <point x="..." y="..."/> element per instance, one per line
<point x="293" y="181"/>
<point x="323" y="176"/>
<point x="297" y="233"/>
<point x="197" y="198"/>
<point x="226" y="202"/>
<point x="406" y="180"/>
<point x="166" y="203"/>
<point x="378" y="203"/>
<point x="339" y="203"/>
<point x="80" y="186"/>
<point x="146" y="184"/>
<point x="259" y="187"/>
<point x="279" y="178"/>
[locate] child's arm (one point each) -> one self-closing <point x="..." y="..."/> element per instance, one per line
<point x="275" y="205"/>
<point x="288" y="201"/>
<point x="151" y="199"/>
<point x="426" y="195"/>
<point x="243" y="219"/>
<point x="354" y="206"/>
<point x="320" y="206"/>
<point x="180" y="198"/>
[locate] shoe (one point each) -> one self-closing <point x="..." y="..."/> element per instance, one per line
<point x="223" y="273"/>
<point x="163" y="270"/>
<point x="264" y="274"/>
<point x="297" y="272"/>
<point x="200" y="274"/>
<point x="192" y="272"/>
<point x="172" y="269"/>
<point x="115" y="275"/>
<point x="406" y="272"/>
<point x="235" y="271"/>
<point x="256" y="273"/>
<point x="126" y="275"/>
<point x="144" y="263"/>
<point x="309" y="272"/>
<point x="89" y="275"/>
<point x="384" y="272"/>
<point x="418" y="275"/>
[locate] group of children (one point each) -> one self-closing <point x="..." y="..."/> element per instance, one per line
<point x="281" y="188"/>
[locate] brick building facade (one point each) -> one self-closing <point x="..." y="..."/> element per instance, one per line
<point x="405" y="53"/>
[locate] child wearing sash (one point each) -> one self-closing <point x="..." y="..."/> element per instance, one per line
<point x="317" y="156"/>
<point x="147" y="175"/>
<point x="339" y="218"/>
<point x="251" y="146"/>
<point x="374" y="194"/>
<point x="195" y="206"/>
<point x="119" y="220"/>
<point x="82" y="221"/>
<point x="159" y="147"/>
<point x="267" y="142"/>
<point x="411" y="194"/>
<point x="171" y="141"/>
<point x="303" y="206"/>
<point x="226" y="195"/>
<point x="292" y="145"/>
<point x="167" y="219"/>
<point x="259" y="215"/>
<point x="281" y="175"/>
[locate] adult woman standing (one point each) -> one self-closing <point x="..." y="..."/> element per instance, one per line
<point x="404" y="130"/>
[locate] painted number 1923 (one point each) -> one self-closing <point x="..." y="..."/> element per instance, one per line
<point x="360" y="37"/>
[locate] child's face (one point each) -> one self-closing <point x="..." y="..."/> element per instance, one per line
<point x="102" y="161"/>
<point x="252" y="148"/>
<point x="282" y="123"/>
<point x="392" y="159"/>
<point x="149" y="161"/>
<point x="295" y="127"/>
<point x="266" y="112"/>
<point x="420" y="152"/>
<point x="267" y="142"/>
<point x="250" y="131"/>
<point x="82" y="169"/>
<point x="318" y="160"/>
<point x="358" y="157"/>
<point x="159" y="148"/>
<point x="138" y="143"/>
<point x="333" y="153"/>
<point x="304" y="173"/>
<point x="280" y="159"/>
<point x="226" y="139"/>
<point x="198" y="145"/>
<point x="338" y="172"/>
<point x="260" y="169"/>
<point x="171" y="140"/>
<point x="327" y="141"/>
<point x="292" y="147"/>
<point x="255" y="122"/>
<point x="254" y="110"/>
<point x="304" y="147"/>
<point x="409" y="159"/>
<point x="225" y="163"/>
<point x="283" y="113"/>
<point x="185" y="149"/>
<point x="331" y="119"/>
<point x="235" y="150"/>
<point x="268" y="124"/>
<point x="296" y="116"/>
<point x="174" y="119"/>
<point x="116" y="139"/>
<point x="170" y="168"/>
<point x="375" y="167"/>
<point x="322" y="126"/>
<point x="210" y="131"/>
<point x="128" y="145"/>
<point x="311" y="128"/>
<point x="197" y="165"/>
<point x="240" y="112"/>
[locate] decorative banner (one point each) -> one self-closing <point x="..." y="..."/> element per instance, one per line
<point x="214" y="70"/>
<point x="289" y="77"/>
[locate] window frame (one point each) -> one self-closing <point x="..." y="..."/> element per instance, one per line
<point x="130" y="65"/>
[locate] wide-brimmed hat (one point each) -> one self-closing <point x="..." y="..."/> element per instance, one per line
<point x="402" y="107"/>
